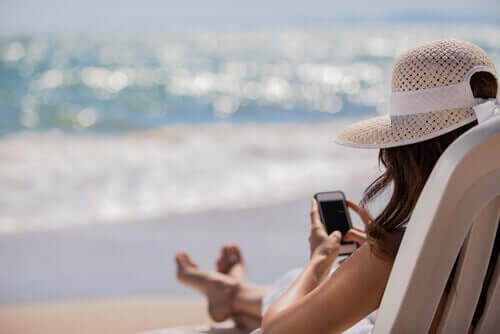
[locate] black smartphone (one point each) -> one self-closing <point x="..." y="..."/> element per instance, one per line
<point x="335" y="216"/>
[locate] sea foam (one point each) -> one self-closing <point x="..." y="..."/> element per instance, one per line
<point x="52" y="180"/>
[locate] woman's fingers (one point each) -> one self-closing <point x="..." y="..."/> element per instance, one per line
<point x="336" y="236"/>
<point x="358" y="229"/>
<point x="318" y="232"/>
<point x="315" y="218"/>
<point x="355" y="236"/>
<point x="366" y="217"/>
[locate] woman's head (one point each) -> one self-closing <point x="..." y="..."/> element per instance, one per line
<point x="431" y="95"/>
<point x="434" y="99"/>
<point x="437" y="92"/>
<point x="407" y="168"/>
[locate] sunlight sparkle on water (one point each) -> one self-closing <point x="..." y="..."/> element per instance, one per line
<point x="211" y="71"/>
<point x="87" y="117"/>
<point x="14" y="52"/>
<point x="50" y="79"/>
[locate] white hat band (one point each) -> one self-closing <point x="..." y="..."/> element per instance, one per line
<point x="432" y="99"/>
<point x="443" y="98"/>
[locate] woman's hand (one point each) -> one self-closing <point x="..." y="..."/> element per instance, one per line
<point x="322" y="245"/>
<point x="352" y="291"/>
<point x="357" y="234"/>
<point x="327" y="247"/>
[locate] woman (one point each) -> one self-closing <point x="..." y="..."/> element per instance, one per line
<point x="436" y="89"/>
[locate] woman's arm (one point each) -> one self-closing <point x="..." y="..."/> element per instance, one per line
<point x="353" y="291"/>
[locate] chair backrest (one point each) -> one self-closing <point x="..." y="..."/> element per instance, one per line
<point x="457" y="212"/>
<point x="489" y="322"/>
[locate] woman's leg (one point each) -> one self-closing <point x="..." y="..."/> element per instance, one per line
<point x="227" y="292"/>
<point x="220" y="289"/>
<point x="248" y="299"/>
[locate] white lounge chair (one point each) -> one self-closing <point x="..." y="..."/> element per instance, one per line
<point x="456" y="217"/>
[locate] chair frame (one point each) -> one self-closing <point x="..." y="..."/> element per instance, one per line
<point x="458" y="209"/>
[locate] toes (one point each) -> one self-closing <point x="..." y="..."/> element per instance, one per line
<point x="180" y="264"/>
<point x="238" y="251"/>
<point x="190" y="261"/>
<point x="224" y="263"/>
<point x="230" y="254"/>
<point x="184" y="260"/>
<point x="235" y="254"/>
<point x="226" y="251"/>
<point x="179" y="256"/>
<point x="221" y="266"/>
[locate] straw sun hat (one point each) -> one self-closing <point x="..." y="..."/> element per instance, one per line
<point x="430" y="96"/>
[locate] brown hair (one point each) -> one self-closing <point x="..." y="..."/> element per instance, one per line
<point x="407" y="169"/>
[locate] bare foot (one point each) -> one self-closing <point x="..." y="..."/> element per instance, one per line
<point x="231" y="262"/>
<point x="218" y="288"/>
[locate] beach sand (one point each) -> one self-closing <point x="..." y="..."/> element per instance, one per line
<point x="105" y="315"/>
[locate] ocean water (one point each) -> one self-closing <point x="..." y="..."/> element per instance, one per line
<point x="121" y="128"/>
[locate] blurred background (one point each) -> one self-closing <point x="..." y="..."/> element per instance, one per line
<point x="129" y="130"/>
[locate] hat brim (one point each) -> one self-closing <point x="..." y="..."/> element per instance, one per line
<point x="384" y="132"/>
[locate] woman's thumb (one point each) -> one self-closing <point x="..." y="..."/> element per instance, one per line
<point x="336" y="235"/>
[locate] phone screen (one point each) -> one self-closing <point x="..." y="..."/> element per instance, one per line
<point x="334" y="216"/>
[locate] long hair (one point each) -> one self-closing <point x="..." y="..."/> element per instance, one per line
<point x="407" y="169"/>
